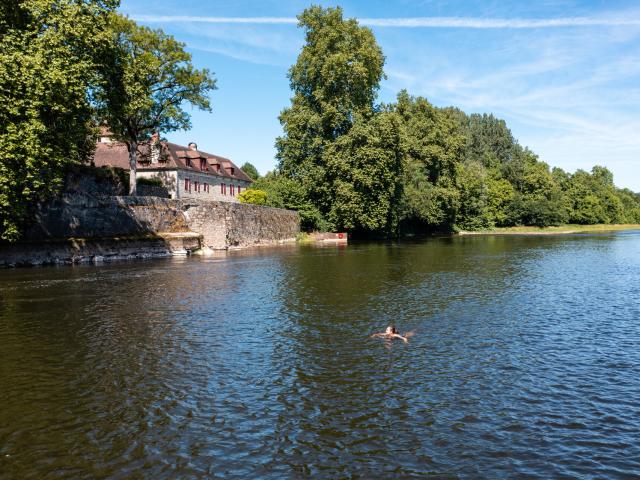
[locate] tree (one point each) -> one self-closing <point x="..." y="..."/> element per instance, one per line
<point x="48" y="64"/>
<point x="148" y="77"/>
<point x="250" y="170"/>
<point x="432" y="142"/>
<point x="474" y="211"/>
<point x="365" y="166"/>
<point x="285" y="192"/>
<point x="593" y="198"/>
<point x="335" y="81"/>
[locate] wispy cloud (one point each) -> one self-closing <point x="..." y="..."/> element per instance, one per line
<point x="228" y="20"/>
<point x="415" y="22"/>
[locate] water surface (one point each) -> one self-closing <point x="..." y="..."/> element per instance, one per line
<point x="526" y="363"/>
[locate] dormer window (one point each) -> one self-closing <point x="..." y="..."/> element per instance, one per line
<point x="203" y="164"/>
<point x="232" y="170"/>
<point x="188" y="162"/>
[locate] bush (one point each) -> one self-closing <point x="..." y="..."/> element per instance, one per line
<point x="151" y="182"/>
<point x="253" y="196"/>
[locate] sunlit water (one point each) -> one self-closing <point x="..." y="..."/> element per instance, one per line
<point x="525" y="363"/>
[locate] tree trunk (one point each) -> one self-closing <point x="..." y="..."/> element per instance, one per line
<point x="133" y="167"/>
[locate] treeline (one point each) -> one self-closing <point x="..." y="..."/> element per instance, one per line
<point x="68" y="67"/>
<point x="346" y="162"/>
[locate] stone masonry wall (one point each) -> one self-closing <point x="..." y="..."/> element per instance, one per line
<point x="225" y="224"/>
<point x="89" y="211"/>
<point x="221" y="224"/>
<point x="87" y="216"/>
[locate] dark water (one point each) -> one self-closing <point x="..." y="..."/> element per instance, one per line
<point x="526" y="363"/>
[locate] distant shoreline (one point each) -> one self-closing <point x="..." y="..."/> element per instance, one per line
<point x="559" y="230"/>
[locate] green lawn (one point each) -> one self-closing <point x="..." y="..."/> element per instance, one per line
<point x="553" y="230"/>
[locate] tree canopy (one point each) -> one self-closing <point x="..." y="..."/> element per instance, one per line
<point x="346" y="162"/>
<point x="343" y="154"/>
<point x="250" y="170"/>
<point x="148" y="77"/>
<point x="49" y="63"/>
<point x="67" y="65"/>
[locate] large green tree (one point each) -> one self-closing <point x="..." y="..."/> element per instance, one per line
<point x="49" y="62"/>
<point x="250" y="170"/>
<point x="148" y="79"/>
<point x="335" y="82"/>
<point x="432" y="142"/>
<point x="365" y="166"/>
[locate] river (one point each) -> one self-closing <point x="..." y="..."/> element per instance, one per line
<point x="525" y="363"/>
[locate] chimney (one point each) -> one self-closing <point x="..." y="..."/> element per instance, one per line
<point x="193" y="146"/>
<point x="105" y="134"/>
<point x="154" y="147"/>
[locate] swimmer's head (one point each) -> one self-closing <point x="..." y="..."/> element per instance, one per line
<point x="391" y="329"/>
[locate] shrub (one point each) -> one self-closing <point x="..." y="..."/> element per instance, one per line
<point x="152" y="182"/>
<point x="253" y="196"/>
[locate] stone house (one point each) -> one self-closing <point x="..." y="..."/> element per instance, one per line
<point x="185" y="172"/>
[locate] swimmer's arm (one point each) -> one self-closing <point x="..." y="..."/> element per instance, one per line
<point x="397" y="335"/>
<point x="378" y="335"/>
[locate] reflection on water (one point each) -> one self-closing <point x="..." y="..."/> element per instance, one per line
<point x="526" y="363"/>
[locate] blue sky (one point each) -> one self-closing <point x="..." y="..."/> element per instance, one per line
<point x="564" y="74"/>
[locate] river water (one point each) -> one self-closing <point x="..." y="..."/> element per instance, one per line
<point x="525" y="363"/>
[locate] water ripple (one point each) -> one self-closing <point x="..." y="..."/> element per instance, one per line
<point x="525" y="363"/>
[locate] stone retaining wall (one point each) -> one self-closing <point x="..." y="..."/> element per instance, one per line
<point x="119" y="220"/>
<point x="228" y="225"/>
<point x="221" y="224"/>
<point x="99" y="216"/>
<point x="152" y="191"/>
<point x="73" y="251"/>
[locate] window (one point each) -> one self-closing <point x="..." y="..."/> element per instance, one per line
<point x="233" y="187"/>
<point x="187" y="185"/>
<point x="206" y="188"/>
<point x="233" y="171"/>
<point x="203" y="164"/>
<point x="187" y="162"/>
<point x="239" y="189"/>
<point x="197" y="187"/>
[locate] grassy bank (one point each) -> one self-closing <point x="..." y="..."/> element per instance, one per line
<point x="559" y="230"/>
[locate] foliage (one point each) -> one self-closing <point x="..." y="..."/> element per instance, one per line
<point x="335" y="82"/>
<point x="285" y="192"/>
<point x="347" y="163"/>
<point x="148" y="78"/>
<point x="253" y="196"/>
<point x="432" y="143"/>
<point x="152" y="182"/>
<point x="250" y="170"/>
<point x="365" y="169"/>
<point x="48" y="63"/>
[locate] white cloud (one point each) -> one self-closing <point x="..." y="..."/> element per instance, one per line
<point x="497" y="23"/>
<point x="232" y="20"/>
<point x="415" y="22"/>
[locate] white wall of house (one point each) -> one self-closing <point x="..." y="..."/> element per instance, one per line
<point x="169" y="179"/>
<point x="199" y="185"/>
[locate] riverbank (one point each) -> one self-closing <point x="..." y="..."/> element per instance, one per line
<point x="555" y="230"/>
<point x="73" y="251"/>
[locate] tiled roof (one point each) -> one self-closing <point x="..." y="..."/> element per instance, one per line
<point x="115" y="154"/>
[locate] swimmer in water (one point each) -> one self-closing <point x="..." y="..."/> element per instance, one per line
<point x="391" y="333"/>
